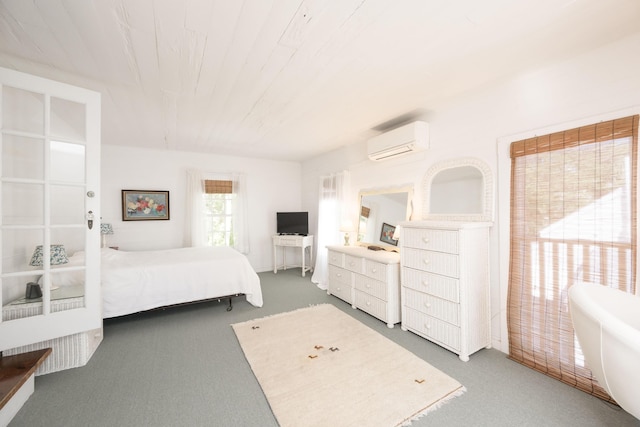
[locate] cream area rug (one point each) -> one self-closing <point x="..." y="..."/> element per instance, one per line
<point x="318" y="366"/>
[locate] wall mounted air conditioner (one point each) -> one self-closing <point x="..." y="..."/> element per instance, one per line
<point x="405" y="139"/>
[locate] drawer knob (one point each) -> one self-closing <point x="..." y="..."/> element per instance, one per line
<point x="426" y="261"/>
<point x="425" y="239"/>
<point x="426" y="304"/>
<point x="425" y="283"/>
<point x="339" y="274"/>
<point x="368" y="303"/>
<point x="373" y="270"/>
<point x="368" y="286"/>
<point x="352" y="263"/>
<point x="428" y="326"/>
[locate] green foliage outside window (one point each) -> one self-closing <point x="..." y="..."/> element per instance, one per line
<point x="218" y="216"/>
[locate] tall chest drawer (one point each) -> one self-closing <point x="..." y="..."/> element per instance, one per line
<point x="432" y="328"/>
<point x="432" y="240"/>
<point x="433" y="262"/>
<point x="434" y="284"/>
<point x="433" y="306"/>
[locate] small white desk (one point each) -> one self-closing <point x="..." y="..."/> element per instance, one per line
<point x="285" y="241"/>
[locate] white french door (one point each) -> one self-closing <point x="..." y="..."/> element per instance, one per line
<point x="49" y="192"/>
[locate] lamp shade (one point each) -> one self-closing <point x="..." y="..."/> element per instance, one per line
<point x="57" y="255"/>
<point x="106" y="228"/>
<point x="397" y="232"/>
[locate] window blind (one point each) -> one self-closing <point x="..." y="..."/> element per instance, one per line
<point x="216" y="186"/>
<point x="573" y="219"/>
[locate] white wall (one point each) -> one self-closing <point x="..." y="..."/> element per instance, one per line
<point x="272" y="186"/>
<point x="588" y="86"/>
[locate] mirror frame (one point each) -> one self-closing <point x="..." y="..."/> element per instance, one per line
<point x="386" y="190"/>
<point x="487" y="199"/>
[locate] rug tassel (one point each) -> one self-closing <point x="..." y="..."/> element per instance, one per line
<point x="436" y="405"/>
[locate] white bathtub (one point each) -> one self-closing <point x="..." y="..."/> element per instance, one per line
<point x="607" y="324"/>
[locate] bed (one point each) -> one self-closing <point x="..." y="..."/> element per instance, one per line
<point x="139" y="281"/>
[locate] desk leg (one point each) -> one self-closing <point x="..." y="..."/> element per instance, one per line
<point x="275" y="259"/>
<point x="303" y="260"/>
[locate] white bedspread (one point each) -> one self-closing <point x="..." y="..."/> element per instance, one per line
<point x="138" y="281"/>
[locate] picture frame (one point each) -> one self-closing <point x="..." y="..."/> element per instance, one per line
<point x="386" y="234"/>
<point x="145" y="205"/>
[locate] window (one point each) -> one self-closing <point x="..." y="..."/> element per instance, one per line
<point x="217" y="205"/>
<point x="573" y="219"/>
<point x="362" y="226"/>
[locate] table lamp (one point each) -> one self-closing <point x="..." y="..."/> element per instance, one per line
<point x="57" y="256"/>
<point x="105" y="228"/>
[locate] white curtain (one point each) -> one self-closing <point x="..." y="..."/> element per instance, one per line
<point x="194" y="235"/>
<point x="240" y="213"/>
<point x="332" y="211"/>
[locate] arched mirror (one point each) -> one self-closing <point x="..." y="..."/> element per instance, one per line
<point x="458" y="190"/>
<point x="380" y="213"/>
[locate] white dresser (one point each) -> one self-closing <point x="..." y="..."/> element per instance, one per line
<point x="368" y="280"/>
<point x="445" y="283"/>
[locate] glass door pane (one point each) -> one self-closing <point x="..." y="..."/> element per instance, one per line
<point x="43" y="204"/>
<point x="49" y="177"/>
<point x="22" y="110"/>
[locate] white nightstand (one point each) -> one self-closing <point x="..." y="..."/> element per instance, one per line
<point x="70" y="351"/>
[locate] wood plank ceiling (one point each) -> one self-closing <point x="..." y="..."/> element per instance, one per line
<point x="289" y="79"/>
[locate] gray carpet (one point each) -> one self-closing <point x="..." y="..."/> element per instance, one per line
<point x="184" y="367"/>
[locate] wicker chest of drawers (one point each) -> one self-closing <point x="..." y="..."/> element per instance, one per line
<point x="368" y="280"/>
<point x="445" y="284"/>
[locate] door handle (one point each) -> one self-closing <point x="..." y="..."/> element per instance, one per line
<point x="90" y="220"/>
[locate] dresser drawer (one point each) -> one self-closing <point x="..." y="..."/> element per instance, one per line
<point x="353" y="263"/>
<point x="375" y="270"/>
<point x="431" y="261"/>
<point x="440" y="286"/>
<point x="432" y="306"/>
<point x="340" y="283"/>
<point x="433" y="240"/>
<point x="372" y="287"/>
<point x="371" y="305"/>
<point x="339" y="275"/>
<point x="336" y="258"/>
<point x="431" y="328"/>
<point x="341" y="291"/>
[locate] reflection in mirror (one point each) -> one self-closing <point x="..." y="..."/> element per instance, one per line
<point x="458" y="190"/>
<point x="382" y="208"/>
<point x="465" y="180"/>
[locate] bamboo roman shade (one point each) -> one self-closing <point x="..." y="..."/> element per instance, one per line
<point x="217" y="186"/>
<point x="573" y="219"/>
<point x="364" y="211"/>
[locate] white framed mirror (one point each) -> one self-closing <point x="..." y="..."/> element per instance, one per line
<point x="380" y="212"/>
<point x="458" y="190"/>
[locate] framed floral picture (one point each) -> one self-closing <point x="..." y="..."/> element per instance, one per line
<point x="145" y="205"/>
<point x="386" y="235"/>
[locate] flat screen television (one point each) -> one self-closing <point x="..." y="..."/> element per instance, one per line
<point x="293" y="223"/>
